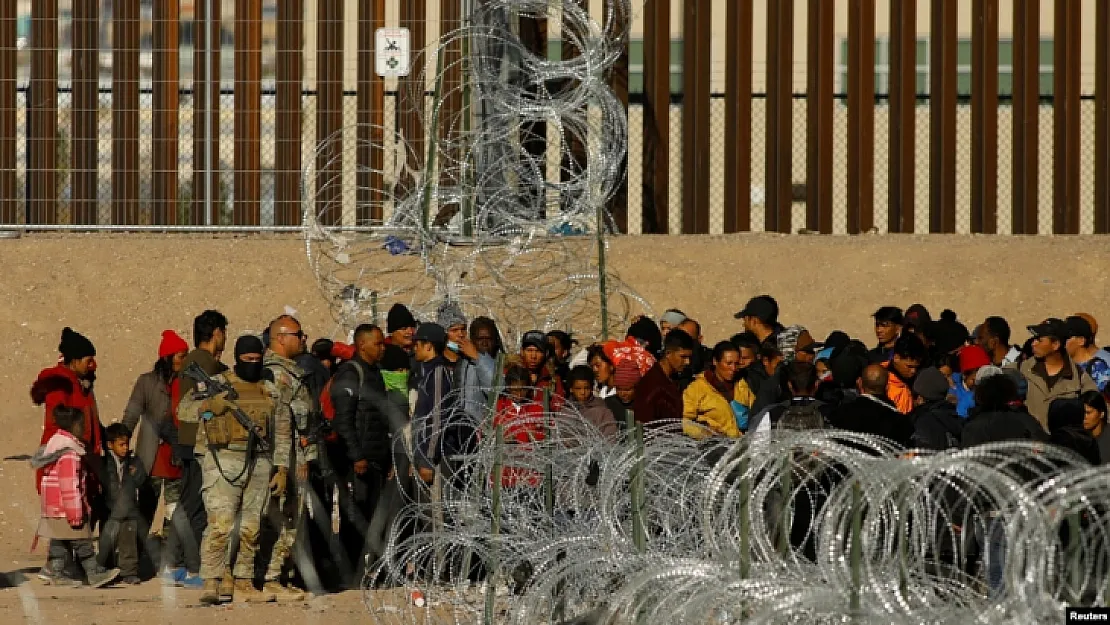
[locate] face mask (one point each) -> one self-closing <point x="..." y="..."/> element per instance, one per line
<point x="453" y="346"/>
<point x="249" y="371"/>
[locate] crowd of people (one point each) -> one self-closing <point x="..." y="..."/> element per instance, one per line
<point x="285" y="471"/>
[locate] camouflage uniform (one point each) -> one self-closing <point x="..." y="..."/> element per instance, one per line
<point x="234" y="490"/>
<point x="283" y="513"/>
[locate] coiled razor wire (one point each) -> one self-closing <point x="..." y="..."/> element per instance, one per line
<point x="810" y="527"/>
<point x="472" y="212"/>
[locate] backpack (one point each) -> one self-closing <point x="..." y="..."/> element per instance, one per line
<point x="804" y="416"/>
<point x="327" y="408"/>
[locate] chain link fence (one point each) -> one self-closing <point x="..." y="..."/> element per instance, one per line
<point x="106" y="175"/>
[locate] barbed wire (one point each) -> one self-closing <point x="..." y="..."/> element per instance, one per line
<point x="471" y="210"/>
<point x="815" y="527"/>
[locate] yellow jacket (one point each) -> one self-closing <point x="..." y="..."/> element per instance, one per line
<point x="705" y="412"/>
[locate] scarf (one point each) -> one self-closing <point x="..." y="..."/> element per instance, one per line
<point x="727" y="389"/>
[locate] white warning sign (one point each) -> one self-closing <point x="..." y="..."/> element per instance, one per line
<point x="392" y="52"/>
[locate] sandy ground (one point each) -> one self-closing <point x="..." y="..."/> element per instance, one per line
<point x="122" y="291"/>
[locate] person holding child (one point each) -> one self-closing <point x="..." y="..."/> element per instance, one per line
<point x="65" y="513"/>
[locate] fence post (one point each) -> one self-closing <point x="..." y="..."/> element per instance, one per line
<point x="903" y="104"/>
<point x="745" y="518"/>
<point x="329" y="112"/>
<point x="1066" y="117"/>
<point x="288" y="208"/>
<point x="248" y="113"/>
<point x="942" y="116"/>
<point x="166" y="116"/>
<point x="1102" y="118"/>
<point x="855" y="554"/>
<point x="618" y="83"/>
<point x="371" y="114"/>
<point x="779" y="128"/>
<point x="1026" y="128"/>
<point x="657" y="117"/>
<point x="639" y="533"/>
<point x="206" y="113"/>
<point x="84" y="171"/>
<point x="861" y="116"/>
<point x="696" y="35"/>
<point x="8" y="59"/>
<point x="548" y="471"/>
<point x="602" y="277"/>
<point x="738" y="116"/>
<point x="42" y="115"/>
<point x="984" y="117"/>
<point x="820" y="51"/>
<point x="495" y="524"/>
<point x="786" y="487"/>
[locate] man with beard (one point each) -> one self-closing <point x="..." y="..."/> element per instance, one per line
<point x="189" y="518"/>
<point x="236" y="470"/>
<point x="286" y="343"/>
<point x="70" y="383"/>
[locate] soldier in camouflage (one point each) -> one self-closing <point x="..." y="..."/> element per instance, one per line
<point x="239" y="479"/>
<point x="287" y="341"/>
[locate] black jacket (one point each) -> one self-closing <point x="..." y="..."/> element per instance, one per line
<point x="936" y="425"/>
<point x="874" y="415"/>
<point x="121" y="488"/>
<point x="364" y="416"/>
<point x="1015" y="424"/>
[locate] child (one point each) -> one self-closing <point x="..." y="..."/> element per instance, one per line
<point x="65" y="509"/>
<point x="523" y="423"/>
<point x="122" y="475"/>
<point x="588" y="405"/>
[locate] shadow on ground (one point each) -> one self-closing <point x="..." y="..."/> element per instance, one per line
<point x="14" y="579"/>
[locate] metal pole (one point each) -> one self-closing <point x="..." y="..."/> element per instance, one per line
<point x="210" y="45"/>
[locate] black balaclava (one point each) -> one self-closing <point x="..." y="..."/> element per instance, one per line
<point x="248" y="371"/>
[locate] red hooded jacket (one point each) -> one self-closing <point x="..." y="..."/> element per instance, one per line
<point x="60" y="386"/>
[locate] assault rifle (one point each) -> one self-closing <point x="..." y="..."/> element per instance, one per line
<point x="208" y="387"/>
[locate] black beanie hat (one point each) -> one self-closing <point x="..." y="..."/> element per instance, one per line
<point x="248" y="344"/>
<point x="399" y="317"/>
<point x="75" y="346"/>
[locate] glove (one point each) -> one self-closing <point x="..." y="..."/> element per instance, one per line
<point x="277" y="483"/>
<point x="219" y="404"/>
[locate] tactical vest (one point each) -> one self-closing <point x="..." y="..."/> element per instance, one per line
<point x="224" y="431"/>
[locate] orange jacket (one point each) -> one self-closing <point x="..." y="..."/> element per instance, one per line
<point x="898" y="392"/>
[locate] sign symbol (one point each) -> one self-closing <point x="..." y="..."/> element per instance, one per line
<point x="392" y="45"/>
<point x="392" y="63"/>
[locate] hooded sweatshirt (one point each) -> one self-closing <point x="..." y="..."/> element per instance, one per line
<point x="62" y="486"/>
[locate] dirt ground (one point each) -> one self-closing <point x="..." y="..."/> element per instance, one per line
<point x="122" y="291"/>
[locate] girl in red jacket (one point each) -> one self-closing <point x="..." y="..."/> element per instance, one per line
<point x="523" y="422"/>
<point x="65" y="512"/>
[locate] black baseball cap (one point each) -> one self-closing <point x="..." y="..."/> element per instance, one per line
<point x="432" y="333"/>
<point x="1080" y="327"/>
<point x="1052" y="327"/>
<point x="534" y="338"/>
<point x="763" y="307"/>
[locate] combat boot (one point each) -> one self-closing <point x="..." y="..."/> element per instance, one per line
<point x="283" y="593"/>
<point x="211" y="593"/>
<point x="245" y="591"/>
<point x="227" y="587"/>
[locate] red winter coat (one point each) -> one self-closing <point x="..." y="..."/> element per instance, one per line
<point x="60" y="386"/>
<point x="524" y="425"/>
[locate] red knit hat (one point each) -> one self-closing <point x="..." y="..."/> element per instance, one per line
<point x="171" y="344"/>
<point x="627" y="374"/>
<point x="973" y="357"/>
